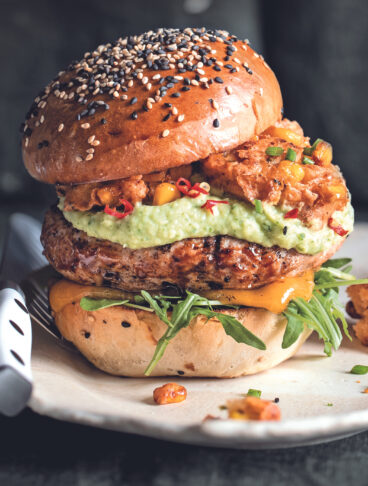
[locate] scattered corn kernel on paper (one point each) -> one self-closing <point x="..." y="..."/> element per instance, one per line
<point x="318" y="397"/>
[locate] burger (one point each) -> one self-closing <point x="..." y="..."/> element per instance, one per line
<point x="194" y="224"/>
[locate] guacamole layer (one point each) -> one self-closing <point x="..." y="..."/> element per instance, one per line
<point x="150" y="226"/>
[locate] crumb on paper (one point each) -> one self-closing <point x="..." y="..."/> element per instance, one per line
<point x="253" y="408"/>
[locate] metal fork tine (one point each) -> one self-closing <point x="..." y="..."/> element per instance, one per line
<point x="41" y="302"/>
<point x="41" y="311"/>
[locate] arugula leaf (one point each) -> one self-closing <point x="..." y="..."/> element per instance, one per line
<point x="182" y="314"/>
<point x="323" y="313"/>
<point x="337" y="262"/>
<point x="294" y="327"/>
<point x="90" y="304"/>
<point x="233" y="328"/>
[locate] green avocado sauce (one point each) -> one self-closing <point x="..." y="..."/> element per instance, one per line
<point x="150" y="226"/>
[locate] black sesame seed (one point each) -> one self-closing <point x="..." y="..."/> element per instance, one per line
<point x="170" y="85"/>
<point x="218" y="79"/>
<point x="103" y="121"/>
<point x="216" y="123"/>
<point x="134" y="100"/>
<point x="168" y="105"/>
<point x="229" y="66"/>
<point x="277" y="400"/>
<point x="180" y="372"/>
<point x="176" y="95"/>
<point x="40" y="145"/>
<point x="134" y="115"/>
<point x="126" y="324"/>
<point x="185" y="88"/>
<point x="217" y="68"/>
<point x="284" y="230"/>
<point x="87" y="334"/>
<point x="165" y="118"/>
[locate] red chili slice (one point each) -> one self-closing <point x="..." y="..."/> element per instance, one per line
<point x="128" y="209"/>
<point x="292" y="214"/>
<point x="210" y="203"/>
<point x="197" y="188"/>
<point x="183" y="185"/>
<point x="339" y="230"/>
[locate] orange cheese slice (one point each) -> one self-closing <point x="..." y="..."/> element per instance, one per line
<point x="274" y="297"/>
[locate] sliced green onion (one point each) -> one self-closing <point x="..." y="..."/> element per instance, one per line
<point x="359" y="370"/>
<point x="318" y="140"/>
<point x="258" y="205"/>
<point x="274" y="151"/>
<point x="301" y="236"/>
<point x="291" y="155"/>
<point x="310" y="150"/>
<point x="307" y="161"/>
<point x="254" y="393"/>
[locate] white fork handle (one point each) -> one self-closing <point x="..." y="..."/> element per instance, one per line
<point x="15" y="350"/>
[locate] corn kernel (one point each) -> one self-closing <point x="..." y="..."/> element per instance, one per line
<point x="165" y="193"/>
<point x="322" y="154"/>
<point x="291" y="171"/>
<point x="105" y="196"/>
<point x="337" y="190"/>
<point x="286" y="134"/>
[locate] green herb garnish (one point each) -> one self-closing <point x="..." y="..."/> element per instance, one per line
<point x="274" y="151"/>
<point x="359" y="370"/>
<point x="254" y="393"/>
<point x="307" y="161"/>
<point x="290" y="155"/>
<point x="310" y="150"/>
<point x="258" y="205"/>
<point x="323" y="313"/>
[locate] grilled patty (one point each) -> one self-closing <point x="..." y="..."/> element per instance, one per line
<point x="194" y="263"/>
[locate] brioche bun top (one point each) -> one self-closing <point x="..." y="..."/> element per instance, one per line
<point x="148" y="103"/>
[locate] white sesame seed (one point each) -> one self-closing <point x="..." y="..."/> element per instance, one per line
<point x="148" y="86"/>
<point x="42" y="119"/>
<point x="130" y="83"/>
<point x="200" y="71"/>
<point x="140" y="75"/>
<point x="61" y="127"/>
<point x="181" y="118"/>
<point x="261" y="91"/>
<point x="85" y="126"/>
<point x="215" y="105"/>
<point x="145" y="80"/>
<point x="95" y="143"/>
<point x="229" y="90"/>
<point x="149" y="105"/>
<point x="165" y="133"/>
<point x="116" y="94"/>
<point x="151" y="100"/>
<point x="89" y="157"/>
<point x="203" y="80"/>
<point x="156" y="76"/>
<point x="91" y="138"/>
<point x="235" y="59"/>
<point x="90" y="151"/>
<point x="174" y="110"/>
<point x="124" y="97"/>
<point x="78" y="158"/>
<point x="194" y="82"/>
<point x="26" y="142"/>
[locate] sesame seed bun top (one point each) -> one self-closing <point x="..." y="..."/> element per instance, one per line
<point x="147" y="103"/>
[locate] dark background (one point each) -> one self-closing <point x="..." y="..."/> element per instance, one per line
<point x="318" y="49"/>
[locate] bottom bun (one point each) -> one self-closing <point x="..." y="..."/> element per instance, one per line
<point x="122" y="341"/>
